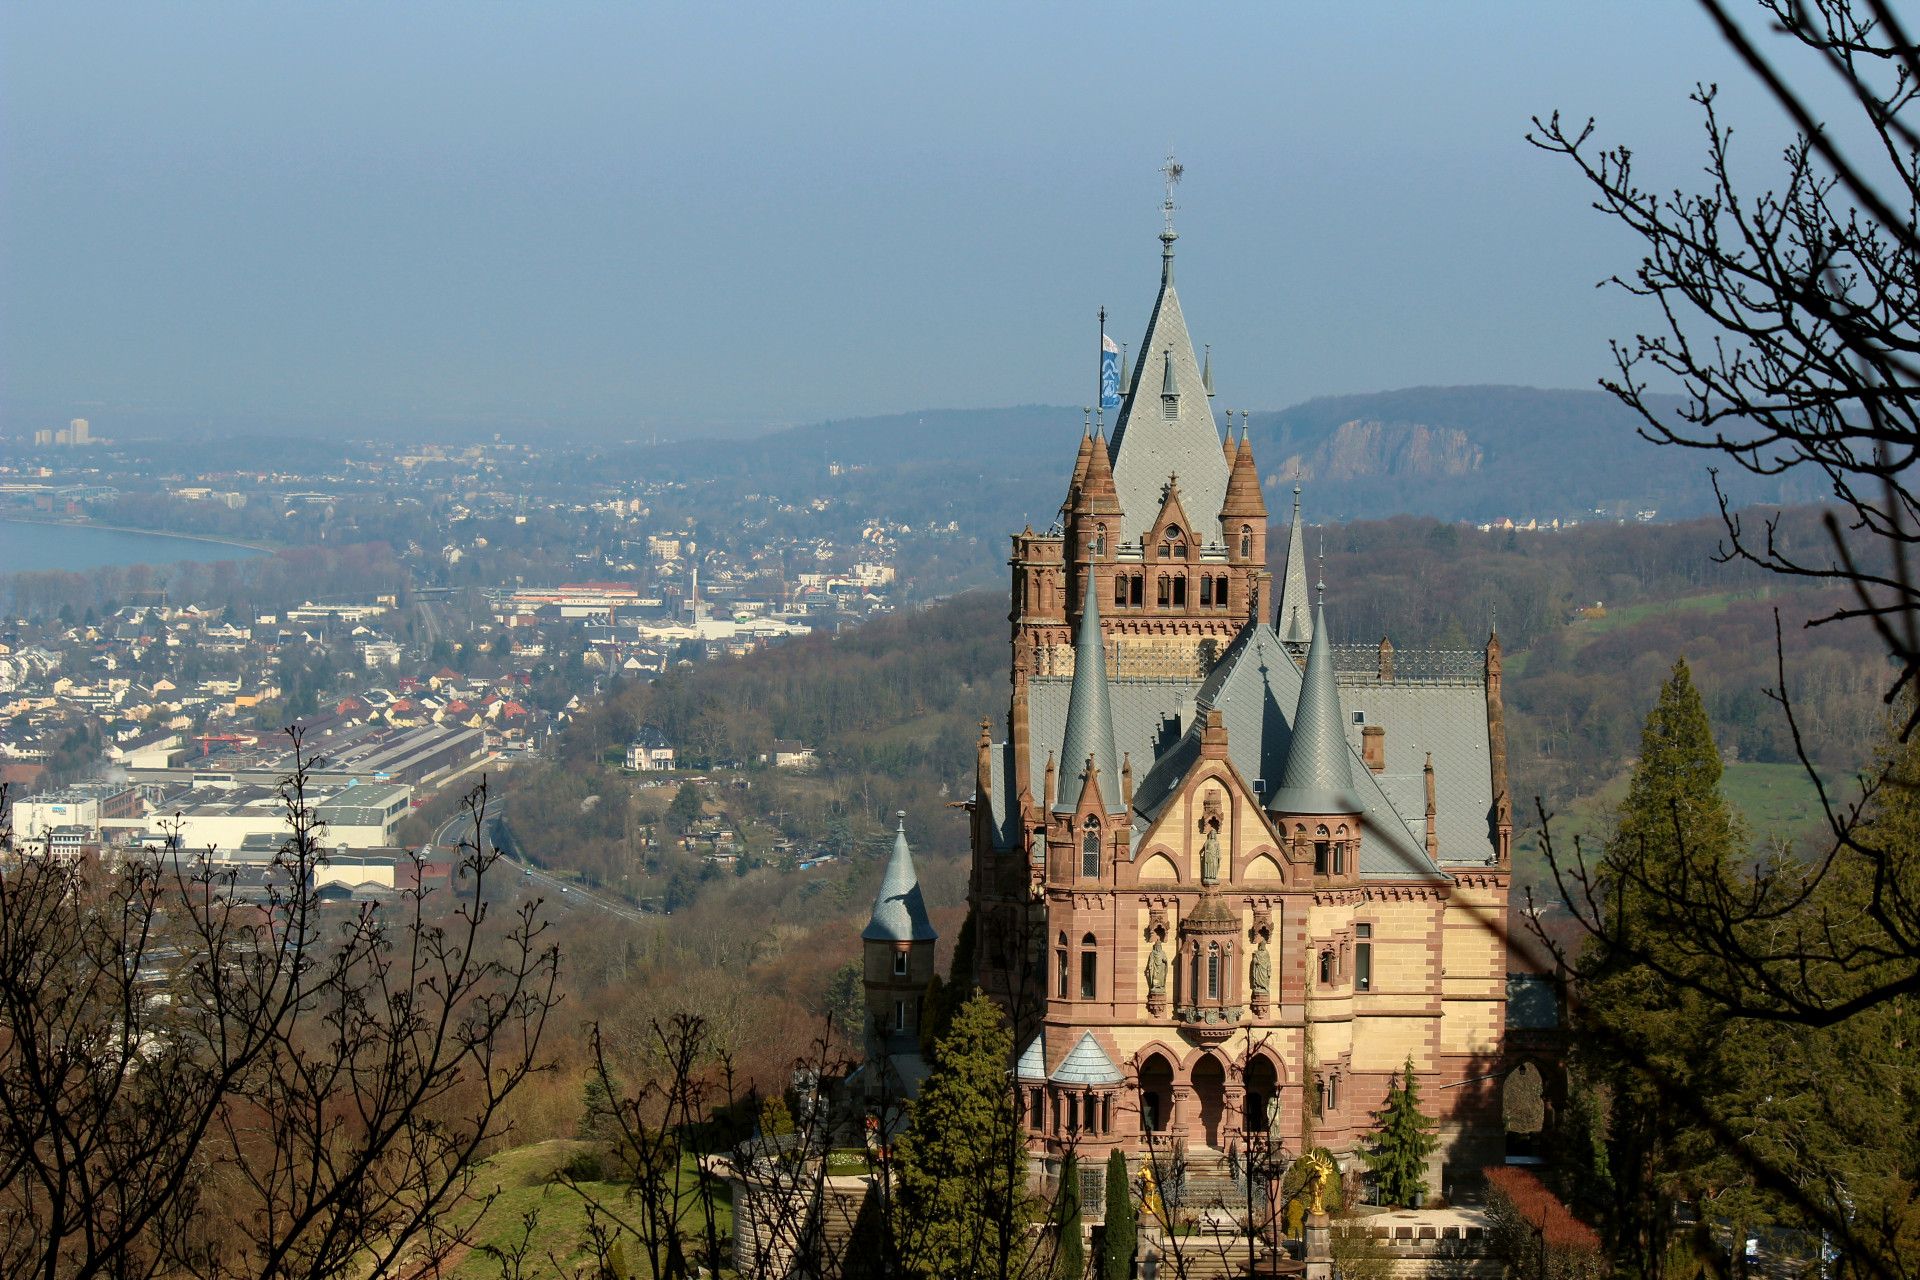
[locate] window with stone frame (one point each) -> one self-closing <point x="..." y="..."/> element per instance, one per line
<point x="1246" y="541"/>
<point x="1100" y="540"/>
<point x="1060" y="963"/>
<point x="1089" y="967"/>
<point x="1363" y="958"/>
<point x="1090" y="850"/>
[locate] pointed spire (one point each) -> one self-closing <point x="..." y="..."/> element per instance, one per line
<point x="899" y="913"/>
<point x="1169" y="385"/>
<point x="1318" y="776"/>
<point x="1081" y="461"/>
<point x="1089" y="732"/>
<point x="1098" y="494"/>
<point x="1206" y="377"/>
<point x="1295" y="621"/>
<point x="1244" y="500"/>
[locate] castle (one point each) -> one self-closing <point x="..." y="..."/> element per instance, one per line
<point x="1228" y="875"/>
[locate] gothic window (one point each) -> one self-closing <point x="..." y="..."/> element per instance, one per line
<point x="1319" y="1096"/>
<point x="1060" y="968"/>
<point x="1100" y="540"/>
<point x="1320" y="854"/>
<point x="1173" y="544"/>
<point x="1246" y="541"/>
<point x="1090" y="851"/>
<point x="1326" y="968"/>
<point x="1037" y="1109"/>
<point x="1220" y="592"/>
<point x="1213" y="971"/>
<point x="1120" y="592"/>
<point x="1206" y="591"/>
<point x="1333" y="1093"/>
<point x="1363" y="959"/>
<point x="1193" y="976"/>
<point x="1138" y="590"/>
<point x="899" y="964"/>
<point x="1166" y="591"/>
<point x="1339" y="858"/>
<point x="1089" y="967"/>
<point x="1179" y="593"/>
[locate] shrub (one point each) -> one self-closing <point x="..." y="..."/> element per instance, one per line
<point x="1535" y="1234"/>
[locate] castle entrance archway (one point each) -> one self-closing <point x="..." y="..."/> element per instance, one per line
<point x="1156" y="1094"/>
<point x="1210" y="1091"/>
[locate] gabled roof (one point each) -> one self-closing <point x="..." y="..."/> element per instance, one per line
<point x="899" y="913"/>
<point x="1148" y="447"/>
<point x="1087" y="1064"/>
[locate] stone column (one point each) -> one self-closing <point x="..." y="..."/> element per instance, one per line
<point x="1232" y="1120"/>
<point x="1319" y="1232"/>
<point x="1183" y="1110"/>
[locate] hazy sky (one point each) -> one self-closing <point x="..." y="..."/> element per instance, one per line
<point x="636" y="216"/>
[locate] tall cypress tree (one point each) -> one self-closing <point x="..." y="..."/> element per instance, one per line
<point x="1070" y="1263"/>
<point x="1403" y="1138"/>
<point x="1653" y="1040"/>
<point x="1118" y="1237"/>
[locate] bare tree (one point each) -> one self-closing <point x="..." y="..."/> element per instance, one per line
<point x="204" y="1078"/>
<point x="1791" y="319"/>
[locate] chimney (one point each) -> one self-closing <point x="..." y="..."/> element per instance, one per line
<point x="1433" y="812"/>
<point x="1386" y="658"/>
<point x="1373" y="747"/>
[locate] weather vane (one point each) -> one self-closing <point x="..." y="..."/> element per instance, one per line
<point x="1172" y="171"/>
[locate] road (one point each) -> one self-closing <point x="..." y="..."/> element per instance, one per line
<point x="562" y="893"/>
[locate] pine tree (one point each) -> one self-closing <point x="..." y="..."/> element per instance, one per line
<point x="1653" y="1041"/>
<point x="1118" y="1237"/>
<point x="962" y="1163"/>
<point x="1402" y="1140"/>
<point x="1070" y="1261"/>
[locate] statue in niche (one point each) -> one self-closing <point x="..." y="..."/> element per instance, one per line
<point x="1210" y="859"/>
<point x="1260" y="971"/>
<point x="1157" y="968"/>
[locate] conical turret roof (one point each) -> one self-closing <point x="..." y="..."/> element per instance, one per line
<point x="1318" y="776"/>
<point x="1089" y="717"/>
<point x="1243" y="484"/>
<point x="899" y="913"/>
<point x="1293" y="623"/>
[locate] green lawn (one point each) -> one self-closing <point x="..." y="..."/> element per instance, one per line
<point x="1587" y="629"/>
<point x="1777" y="800"/>
<point x="523" y="1178"/>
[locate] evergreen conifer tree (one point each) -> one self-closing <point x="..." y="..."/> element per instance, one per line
<point x="1403" y="1138"/>
<point x="964" y="1208"/>
<point x="1655" y="1042"/>
<point x="1070" y="1259"/>
<point x="1118" y="1237"/>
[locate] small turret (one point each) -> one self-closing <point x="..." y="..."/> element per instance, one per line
<point x="1318" y="776"/>
<point x="1089" y="734"/>
<point x="1293" y="622"/>
<point x="898" y="945"/>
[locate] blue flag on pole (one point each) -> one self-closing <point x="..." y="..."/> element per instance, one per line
<point x="1109" y="373"/>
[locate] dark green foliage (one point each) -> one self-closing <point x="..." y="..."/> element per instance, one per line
<point x="685" y="809"/>
<point x="962" y="1164"/>
<point x="1117" y="1239"/>
<point x="1070" y="1256"/>
<point x="1402" y="1140"/>
<point x="847" y="1002"/>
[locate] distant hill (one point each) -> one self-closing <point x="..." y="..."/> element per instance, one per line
<point x="1454" y="453"/>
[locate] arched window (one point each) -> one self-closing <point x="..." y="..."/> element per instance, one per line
<point x="1119" y="591"/>
<point x="1320" y="850"/>
<point x="1089" y="967"/>
<point x="1333" y="1092"/>
<point x="1060" y="968"/>
<point x="1100" y="540"/>
<point x="1326" y="968"/>
<point x="1193" y="976"/>
<point x="1180" y="593"/>
<point x="1206" y="591"/>
<point x="1339" y="858"/>
<point x="1166" y="591"/>
<point x="1137" y="591"/>
<point x="1246" y="541"/>
<point x="1173" y="543"/>
<point x="1090" y="850"/>
<point x="1213" y="971"/>
<point x="1220" y="592"/>
<point x="1319" y="1096"/>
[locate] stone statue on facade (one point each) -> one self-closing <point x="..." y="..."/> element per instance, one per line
<point x="1260" y="972"/>
<point x="1157" y="967"/>
<point x="1210" y="859"/>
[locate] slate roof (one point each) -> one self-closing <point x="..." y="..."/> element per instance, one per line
<point x="1033" y="1059"/>
<point x="1087" y="1064"/>
<point x="1089" y="730"/>
<point x="899" y="913"/>
<point x="1318" y="775"/>
<point x="1293" y="619"/>
<point x="1147" y="448"/>
<point x="1450" y="720"/>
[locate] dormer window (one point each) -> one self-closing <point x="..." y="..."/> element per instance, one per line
<point x="1173" y="544"/>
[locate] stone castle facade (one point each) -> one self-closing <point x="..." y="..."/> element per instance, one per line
<point x="1229" y="875"/>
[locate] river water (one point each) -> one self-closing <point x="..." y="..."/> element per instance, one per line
<point x="28" y="547"/>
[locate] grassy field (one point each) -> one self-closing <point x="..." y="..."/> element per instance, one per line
<point x="523" y="1177"/>
<point x="1778" y="802"/>
<point x="1625" y="616"/>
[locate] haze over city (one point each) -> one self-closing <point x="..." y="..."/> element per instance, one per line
<point x="674" y="218"/>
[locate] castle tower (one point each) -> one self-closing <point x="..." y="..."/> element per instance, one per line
<point x="897" y="947"/>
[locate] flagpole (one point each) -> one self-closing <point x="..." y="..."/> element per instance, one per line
<point x="1100" y="375"/>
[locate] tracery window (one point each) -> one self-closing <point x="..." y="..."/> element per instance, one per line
<point x="1246" y="541"/>
<point x="1090" y="851"/>
<point x="1100" y="540"/>
<point x="1213" y="971"/>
